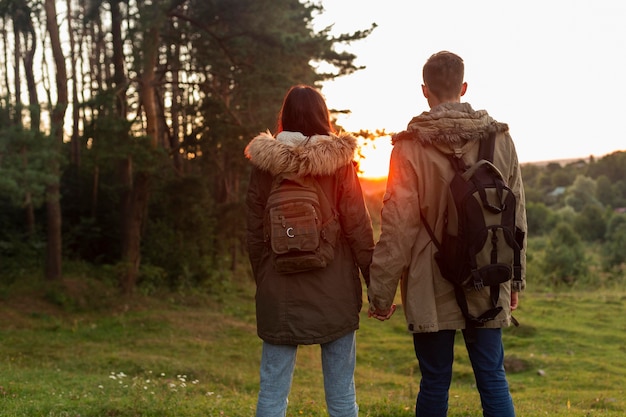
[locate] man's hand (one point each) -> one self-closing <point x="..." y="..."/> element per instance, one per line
<point x="514" y="300"/>
<point x="381" y="314"/>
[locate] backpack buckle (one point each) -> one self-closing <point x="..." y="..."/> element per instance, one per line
<point x="477" y="279"/>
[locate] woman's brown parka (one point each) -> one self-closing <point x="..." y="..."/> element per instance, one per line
<point x="317" y="306"/>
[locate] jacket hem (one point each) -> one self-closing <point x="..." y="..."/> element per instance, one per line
<point x="306" y="341"/>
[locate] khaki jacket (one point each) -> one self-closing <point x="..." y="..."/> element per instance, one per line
<point x="317" y="306"/>
<point x="418" y="180"/>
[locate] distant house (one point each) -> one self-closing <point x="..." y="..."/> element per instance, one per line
<point x="557" y="192"/>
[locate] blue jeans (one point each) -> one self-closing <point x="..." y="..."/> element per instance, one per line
<point x="435" y="353"/>
<point x="338" y="363"/>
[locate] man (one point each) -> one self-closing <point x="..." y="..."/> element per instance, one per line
<point x="419" y="176"/>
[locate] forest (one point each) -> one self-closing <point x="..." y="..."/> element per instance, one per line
<point x="576" y="214"/>
<point x="122" y="129"/>
<point x="123" y="124"/>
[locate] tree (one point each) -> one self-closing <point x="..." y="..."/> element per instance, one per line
<point x="581" y="193"/>
<point x="244" y="67"/>
<point x="612" y="165"/>
<point x="565" y="261"/>
<point x="137" y="181"/>
<point x="614" y="252"/>
<point x="591" y="223"/>
<point x="19" y="13"/>
<point x="541" y="220"/>
<point x="604" y="191"/>
<point x="53" y="195"/>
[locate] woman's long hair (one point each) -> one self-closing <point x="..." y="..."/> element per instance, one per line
<point x="304" y="110"/>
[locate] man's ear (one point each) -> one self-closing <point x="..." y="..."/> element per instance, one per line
<point x="425" y="91"/>
<point x="463" y="88"/>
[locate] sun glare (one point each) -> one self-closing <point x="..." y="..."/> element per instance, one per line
<point x="374" y="160"/>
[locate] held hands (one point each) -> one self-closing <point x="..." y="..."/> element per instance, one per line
<point x="514" y="300"/>
<point x="381" y="314"/>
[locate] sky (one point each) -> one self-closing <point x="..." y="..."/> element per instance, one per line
<point x="553" y="70"/>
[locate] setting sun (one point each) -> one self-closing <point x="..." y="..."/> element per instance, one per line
<point x="374" y="157"/>
<point x="374" y="160"/>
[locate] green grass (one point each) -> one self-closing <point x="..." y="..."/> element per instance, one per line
<point x="192" y="355"/>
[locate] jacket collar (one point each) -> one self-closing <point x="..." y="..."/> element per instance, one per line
<point x="302" y="155"/>
<point x="452" y="124"/>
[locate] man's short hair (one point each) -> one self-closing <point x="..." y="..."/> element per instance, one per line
<point x="443" y="74"/>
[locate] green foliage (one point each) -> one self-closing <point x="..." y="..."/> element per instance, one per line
<point x="565" y="261"/>
<point x="566" y="214"/>
<point x="591" y="223"/>
<point x="604" y="191"/>
<point x="19" y="256"/>
<point x="613" y="166"/>
<point x="614" y="224"/>
<point x="560" y="178"/>
<point x="540" y="218"/>
<point x="581" y="193"/>
<point x="178" y="245"/>
<point x="590" y="203"/>
<point x="615" y="248"/>
<point x="23" y="174"/>
<point x="619" y="193"/>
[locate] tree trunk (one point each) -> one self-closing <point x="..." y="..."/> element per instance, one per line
<point x="175" y="109"/>
<point x="119" y="75"/>
<point x="138" y="185"/>
<point x="53" y="195"/>
<point x="138" y="203"/>
<point x="28" y="202"/>
<point x="75" y="144"/>
<point x="30" y="44"/>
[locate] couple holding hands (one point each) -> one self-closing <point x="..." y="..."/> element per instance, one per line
<point x="322" y="306"/>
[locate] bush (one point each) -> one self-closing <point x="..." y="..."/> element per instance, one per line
<point x="614" y="248"/>
<point x="540" y="218"/>
<point x="565" y="261"/>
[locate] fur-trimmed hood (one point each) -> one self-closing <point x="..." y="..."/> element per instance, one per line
<point x="302" y="155"/>
<point x="451" y="125"/>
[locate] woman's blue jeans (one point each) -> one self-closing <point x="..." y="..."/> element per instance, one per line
<point x="435" y="353"/>
<point x="338" y="363"/>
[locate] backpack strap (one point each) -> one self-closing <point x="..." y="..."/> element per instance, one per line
<point x="430" y="231"/>
<point x="487" y="147"/>
<point x="328" y="210"/>
<point x="485" y="151"/>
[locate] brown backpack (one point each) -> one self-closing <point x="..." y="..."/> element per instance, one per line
<point x="300" y="225"/>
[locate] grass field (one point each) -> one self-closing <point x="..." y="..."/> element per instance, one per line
<point x="80" y="351"/>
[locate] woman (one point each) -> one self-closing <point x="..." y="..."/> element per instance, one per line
<point x="320" y="306"/>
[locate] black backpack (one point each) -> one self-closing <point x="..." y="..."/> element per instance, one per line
<point x="300" y="225"/>
<point x="481" y="244"/>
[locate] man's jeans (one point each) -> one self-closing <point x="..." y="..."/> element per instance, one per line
<point x="435" y="353"/>
<point x="338" y="363"/>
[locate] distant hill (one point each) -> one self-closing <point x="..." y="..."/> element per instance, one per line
<point x="567" y="161"/>
<point x="561" y="162"/>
